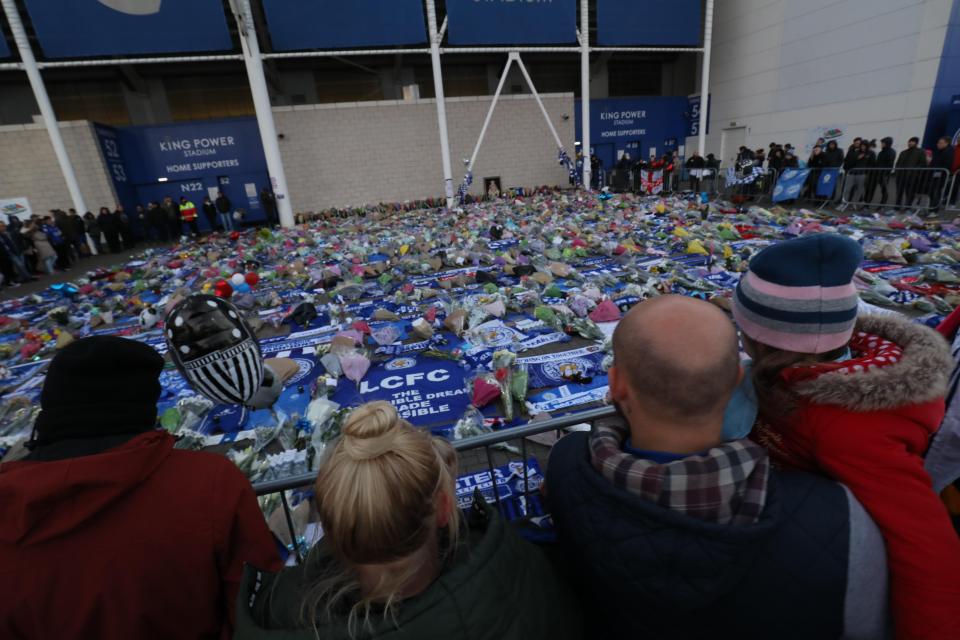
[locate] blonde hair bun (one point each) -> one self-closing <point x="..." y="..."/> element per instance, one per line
<point x="370" y="430"/>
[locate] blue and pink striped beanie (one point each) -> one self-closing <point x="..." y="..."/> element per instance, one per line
<point x="799" y="295"/>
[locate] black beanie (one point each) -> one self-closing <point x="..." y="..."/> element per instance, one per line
<point x="99" y="386"/>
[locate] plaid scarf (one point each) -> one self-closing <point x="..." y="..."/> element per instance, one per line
<point x="726" y="485"/>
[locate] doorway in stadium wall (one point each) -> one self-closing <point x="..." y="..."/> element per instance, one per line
<point x="730" y="144"/>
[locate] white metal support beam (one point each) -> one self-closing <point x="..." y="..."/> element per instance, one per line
<point x="261" y="103"/>
<point x="705" y="80"/>
<point x="43" y="101"/>
<point x="585" y="89"/>
<point x="493" y="105"/>
<point x="536" y="94"/>
<point x="436" y="36"/>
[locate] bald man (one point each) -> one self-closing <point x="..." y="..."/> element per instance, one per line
<point x="673" y="533"/>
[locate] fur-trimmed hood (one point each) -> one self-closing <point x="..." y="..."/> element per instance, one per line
<point x="920" y="376"/>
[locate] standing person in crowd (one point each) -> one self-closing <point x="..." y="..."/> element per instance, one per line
<point x="855" y="190"/>
<point x="886" y="159"/>
<point x="911" y="161"/>
<point x="815" y="164"/>
<point x="172" y="211"/>
<point x="58" y="242"/>
<point x="157" y="223"/>
<point x="14" y="223"/>
<point x="857" y="399"/>
<point x="13" y="249"/>
<point x="943" y="162"/>
<point x="852" y="152"/>
<point x="224" y="211"/>
<point x="695" y="166"/>
<point x="665" y="525"/>
<point x="833" y="156"/>
<point x="790" y="161"/>
<point x="101" y="482"/>
<point x="93" y="228"/>
<point x="107" y="222"/>
<point x="210" y="212"/>
<point x="68" y="231"/>
<point x="269" y="203"/>
<point x="821" y="143"/>
<point x="188" y="214"/>
<point x="123" y="227"/>
<point x="43" y="250"/>
<point x="399" y="560"/>
<point x="79" y="236"/>
<point x="775" y="162"/>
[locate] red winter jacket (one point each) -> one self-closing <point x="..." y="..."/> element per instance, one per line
<point x="140" y="541"/>
<point x="867" y="423"/>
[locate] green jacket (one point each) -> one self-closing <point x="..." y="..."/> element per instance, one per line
<point x="497" y="587"/>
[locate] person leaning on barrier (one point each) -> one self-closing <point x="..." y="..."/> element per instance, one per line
<point x="942" y="162"/>
<point x="672" y="533"/>
<point x="863" y="163"/>
<point x="908" y="172"/>
<point x="886" y="159"/>
<point x="108" y="531"/>
<point x="398" y="558"/>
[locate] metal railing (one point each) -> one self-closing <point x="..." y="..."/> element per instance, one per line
<point x="485" y="441"/>
<point x="757" y="190"/>
<point x="921" y="188"/>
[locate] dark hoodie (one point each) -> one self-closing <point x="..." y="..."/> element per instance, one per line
<point x="646" y="571"/>
<point x="140" y="541"/>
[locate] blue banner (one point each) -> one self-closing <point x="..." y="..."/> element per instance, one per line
<point x="426" y="392"/>
<point x="75" y="28"/>
<point x="339" y="24"/>
<point x="674" y="23"/>
<point x="507" y="22"/>
<point x="4" y="49"/>
<point x="827" y="183"/>
<point x="790" y="184"/>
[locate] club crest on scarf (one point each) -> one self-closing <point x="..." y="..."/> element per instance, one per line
<point x="214" y="349"/>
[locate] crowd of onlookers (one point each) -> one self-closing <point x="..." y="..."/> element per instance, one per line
<point x="43" y="245"/>
<point x="873" y="174"/>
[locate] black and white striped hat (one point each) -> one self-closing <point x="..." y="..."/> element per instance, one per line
<point x="214" y="349"/>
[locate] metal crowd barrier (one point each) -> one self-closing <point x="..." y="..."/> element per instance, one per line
<point x="757" y="191"/>
<point x="485" y="442"/>
<point x="952" y="202"/>
<point x="897" y="188"/>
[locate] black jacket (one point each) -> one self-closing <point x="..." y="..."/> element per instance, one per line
<point x="866" y="160"/>
<point x="833" y="158"/>
<point x="210" y="211"/>
<point x="108" y="223"/>
<point x="645" y="571"/>
<point x="886" y="158"/>
<point x="223" y="204"/>
<point x="914" y="158"/>
<point x="815" y="161"/>
<point x="696" y="162"/>
<point x="850" y="160"/>
<point x="942" y="159"/>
